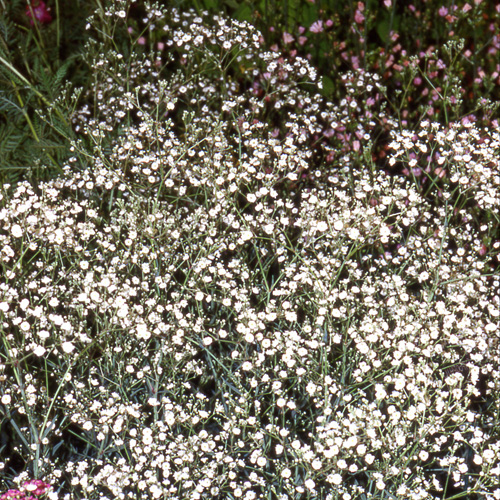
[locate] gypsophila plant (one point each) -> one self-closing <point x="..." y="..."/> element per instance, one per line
<point x="232" y="291"/>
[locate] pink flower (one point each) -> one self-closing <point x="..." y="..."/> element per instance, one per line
<point x="443" y="11"/>
<point x="36" y="486"/>
<point x="316" y="27"/>
<point x="39" y="10"/>
<point x="359" y="17"/>
<point x="12" y="495"/>
<point x="287" y="38"/>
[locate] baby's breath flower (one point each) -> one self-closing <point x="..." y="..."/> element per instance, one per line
<point x="67" y="347"/>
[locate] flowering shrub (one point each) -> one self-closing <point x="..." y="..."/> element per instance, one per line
<point x="225" y="294"/>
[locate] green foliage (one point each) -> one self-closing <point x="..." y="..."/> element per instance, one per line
<point x="35" y="98"/>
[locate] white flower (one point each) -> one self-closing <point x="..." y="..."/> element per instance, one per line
<point x="423" y="276"/>
<point x="351" y="441"/>
<point x="39" y="350"/>
<point x="400" y="384"/>
<point x="361" y="450"/>
<point x="156" y="491"/>
<point x="335" y="479"/>
<point x="147" y="437"/>
<point x="17" y="231"/>
<point x="380" y="392"/>
<point x="249" y="337"/>
<point x="491" y="327"/>
<point x="67" y="347"/>
<point x="400" y="439"/>
<point x="311" y="388"/>
<point x="322" y="226"/>
<point x="354" y="233"/>
<point x="246" y="235"/>
<point x="286" y="473"/>
<point x="338" y="226"/>
<point x="142" y="332"/>
<point x="363" y="347"/>
<point x="309" y="484"/>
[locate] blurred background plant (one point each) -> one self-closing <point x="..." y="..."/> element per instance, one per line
<point x="436" y="60"/>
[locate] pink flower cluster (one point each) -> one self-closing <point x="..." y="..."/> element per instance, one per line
<point x="30" y="490"/>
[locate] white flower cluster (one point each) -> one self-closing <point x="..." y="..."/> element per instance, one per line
<point x="465" y="156"/>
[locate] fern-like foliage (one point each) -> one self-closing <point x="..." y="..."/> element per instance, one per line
<point x="39" y="67"/>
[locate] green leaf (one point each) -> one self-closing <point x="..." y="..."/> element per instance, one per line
<point x="244" y="13"/>
<point x="59" y="76"/>
<point x="383" y="29"/>
<point x="328" y="86"/>
<point x="232" y="3"/>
